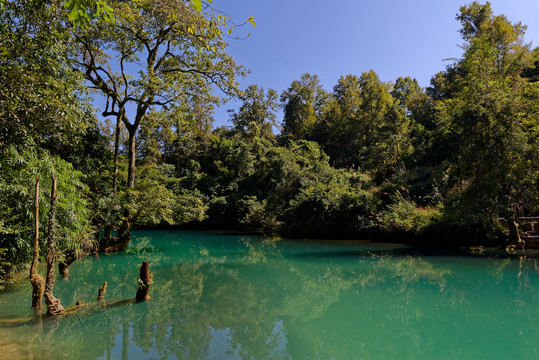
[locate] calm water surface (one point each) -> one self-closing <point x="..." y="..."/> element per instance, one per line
<point x="218" y="296"/>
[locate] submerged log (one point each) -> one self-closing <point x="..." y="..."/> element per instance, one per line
<point x="143" y="293"/>
<point x="79" y="309"/>
<point x="145" y="282"/>
<point x="101" y="305"/>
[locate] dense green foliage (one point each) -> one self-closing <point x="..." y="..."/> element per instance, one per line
<point x="369" y="159"/>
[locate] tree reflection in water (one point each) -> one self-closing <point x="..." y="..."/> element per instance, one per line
<point x="247" y="298"/>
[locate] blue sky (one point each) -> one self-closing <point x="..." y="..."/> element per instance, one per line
<point x="334" y="38"/>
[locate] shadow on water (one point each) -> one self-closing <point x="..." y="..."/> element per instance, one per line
<point x="362" y="249"/>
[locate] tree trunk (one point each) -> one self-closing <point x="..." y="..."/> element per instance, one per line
<point x="111" y="243"/>
<point x="514" y="236"/>
<point x="102" y="291"/>
<point x="124" y="232"/>
<point x="145" y="282"/>
<point x="53" y="304"/>
<point x="116" y="152"/>
<point x="37" y="281"/>
<point x="131" y="154"/>
<point x="63" y="267"/>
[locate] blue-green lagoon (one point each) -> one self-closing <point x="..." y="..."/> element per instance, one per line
<point x="223" y="296"/>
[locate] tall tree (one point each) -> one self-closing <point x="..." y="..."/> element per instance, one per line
<point x="44" y="115"/>
<point x="334" y="132"/>
<point x="532" y="72"/>
<point x="491" y="117"/>
<point x="363" y="124"/>
<point x="256" y="116"/>
<point x="413" y="99"/>
<point x="419" y="109"/>
<point x="303" y="102"/>
<point x="386" y="130"/>
<point x="40" y="97"/>
<point x="153" y="55"/>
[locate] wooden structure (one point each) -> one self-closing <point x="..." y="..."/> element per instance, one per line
<point x="524" y="231"/>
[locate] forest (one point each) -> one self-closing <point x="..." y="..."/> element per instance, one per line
<point x="367" y="159"/>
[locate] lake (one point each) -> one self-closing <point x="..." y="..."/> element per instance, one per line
<point x="224" y="296"/>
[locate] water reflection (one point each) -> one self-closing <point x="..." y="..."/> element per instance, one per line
<point x="219" y="297"/>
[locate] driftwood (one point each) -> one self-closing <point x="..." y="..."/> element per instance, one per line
<point x="78" y="309"/>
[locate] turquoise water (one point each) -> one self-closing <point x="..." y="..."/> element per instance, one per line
<point x="219" y="296"/>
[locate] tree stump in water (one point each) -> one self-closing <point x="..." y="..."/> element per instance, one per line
<point x="63" y="267"/>
<point x="54" y="307"/>
<point x="111" y="243"/>
<point x="38" y="288"/>
<point x="102" y="291"/>
<point x="145" y="282"/>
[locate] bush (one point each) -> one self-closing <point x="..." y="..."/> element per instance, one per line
<point x="403" y="216"/>
<point x="190" y="207"/>
<point x="19" y="167"/>
<point x="329" y="210"/>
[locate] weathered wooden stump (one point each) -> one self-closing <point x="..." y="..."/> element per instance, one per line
<point x="38" y="288"/>
<point x="54" y="307"/>
<point x="102" y="291"/>
<point x="145" y="282"/>
<point x="63" y="267"/>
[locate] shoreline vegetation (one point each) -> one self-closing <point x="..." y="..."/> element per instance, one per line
<point x="368" y="159"/>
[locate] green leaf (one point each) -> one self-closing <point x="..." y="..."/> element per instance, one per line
<point x="197" y="5"/>
<point x="104" y="11"/>
<point x="77" y="13"/>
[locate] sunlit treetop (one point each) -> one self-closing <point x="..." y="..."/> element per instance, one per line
<point x="81" y="11"/>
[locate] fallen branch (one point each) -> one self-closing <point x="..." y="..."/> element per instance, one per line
<point x="143" y="294"/>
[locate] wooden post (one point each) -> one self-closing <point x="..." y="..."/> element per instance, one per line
<point x="145" y="282"/>
<point x="37" y="281"/>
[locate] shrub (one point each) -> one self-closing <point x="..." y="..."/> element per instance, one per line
<point x="404" y="216"/>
